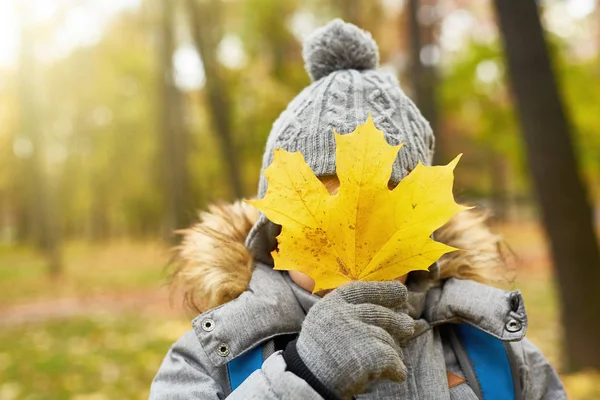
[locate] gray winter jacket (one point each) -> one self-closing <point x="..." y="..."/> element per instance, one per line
<point x="196" y="366"/>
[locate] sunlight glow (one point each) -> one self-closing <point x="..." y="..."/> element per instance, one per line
<point x="81" y="24"/>
<point x="189" y="71"/>
<point x="230" y="52"/>
<point x="580" y="8"/>
<point x="9" y="33"/>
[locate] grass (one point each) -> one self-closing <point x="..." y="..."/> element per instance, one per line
<point x="111" y="357"/>
<point x="115" y="353"/>
<point x="88" y="270"/>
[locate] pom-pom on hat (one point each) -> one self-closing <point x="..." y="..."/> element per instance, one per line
<point x="338" y="46"/>
<point x="342" y="59"/>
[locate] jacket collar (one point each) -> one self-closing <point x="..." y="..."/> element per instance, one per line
<point x="495" y="311"/>
<point x="272" y="306"/>
<point x="267" y="309"/>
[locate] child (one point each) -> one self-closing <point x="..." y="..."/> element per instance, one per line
<point x="261" y="334"/>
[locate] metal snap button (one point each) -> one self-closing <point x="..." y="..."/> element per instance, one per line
<point x="208" y="325"/>
<point x="513" y="326"/>
<point x="223" y="350"/>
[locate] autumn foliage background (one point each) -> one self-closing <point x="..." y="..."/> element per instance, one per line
<point x="120" y="118"/>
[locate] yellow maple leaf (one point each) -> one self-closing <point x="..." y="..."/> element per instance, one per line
<point x="365" y="231"/>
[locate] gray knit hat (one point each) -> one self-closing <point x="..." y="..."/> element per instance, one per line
<point x="341" y="60"/>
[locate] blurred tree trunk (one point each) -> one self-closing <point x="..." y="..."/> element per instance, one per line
<point x="206" y="25"/>
<point x="173" y="130"/>
<point x="350" y="11"/>
<point x="99" y="220"/>
<point x="278" y="38"/>
<point x="500" y="178"/>
<point x="424" y="74"/>
<point x="365" y="14"/>
<point x="566" y="212"/>
<point x="41" y="213"/>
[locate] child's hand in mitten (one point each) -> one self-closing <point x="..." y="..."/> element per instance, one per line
<point x="352" y="337"/>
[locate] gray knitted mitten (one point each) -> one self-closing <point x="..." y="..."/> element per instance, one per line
<point x="353" y="336"/>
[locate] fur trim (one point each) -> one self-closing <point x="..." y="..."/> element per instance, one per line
<point x="484" y="257"/>
<point x="213" y="266"/>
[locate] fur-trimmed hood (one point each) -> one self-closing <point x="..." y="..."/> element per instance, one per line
<point x="213" y="266"/>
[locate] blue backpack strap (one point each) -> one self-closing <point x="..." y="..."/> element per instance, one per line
<point x="489" y="359"/>
<point x="243" y="366"/>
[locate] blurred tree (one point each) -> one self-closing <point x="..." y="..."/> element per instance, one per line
<point x="175" y="144"/>
<point x="206" y="21"/>
<point x="350" y="10"/>
<point x="106" y="147"/>
<point x="365" y="14"/>
<point x="12" y="194"/>
<point x="106" y="120"/>
<point x="566" y="212"/>
<point x="424" y="55"/>
<point x="480" y="122"/>
<point x="582" y="96"/>
<point x="41" y="213"/>
<point x="266" y="36"/>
